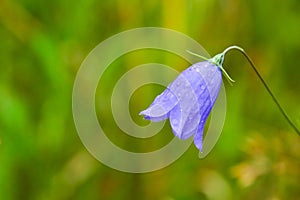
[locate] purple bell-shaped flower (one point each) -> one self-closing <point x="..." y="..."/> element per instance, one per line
<point x="188" y="100"/>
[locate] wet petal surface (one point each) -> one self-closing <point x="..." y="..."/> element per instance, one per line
<point x="160" y="107"/>
<point x="188" y="100"/>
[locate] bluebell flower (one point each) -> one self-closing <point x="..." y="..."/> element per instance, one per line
<point x="188" y="100"/>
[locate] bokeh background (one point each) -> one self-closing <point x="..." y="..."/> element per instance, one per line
<point x="42" y="44"/>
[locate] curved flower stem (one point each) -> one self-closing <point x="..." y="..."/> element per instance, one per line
<point x="265" y="85"/>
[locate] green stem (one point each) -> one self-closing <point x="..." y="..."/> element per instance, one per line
<point x="265" y="85"/>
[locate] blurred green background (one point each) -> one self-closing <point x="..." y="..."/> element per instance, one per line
<point x="42" y="46"/>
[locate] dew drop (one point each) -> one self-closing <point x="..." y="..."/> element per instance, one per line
<point x="175" y="121"/>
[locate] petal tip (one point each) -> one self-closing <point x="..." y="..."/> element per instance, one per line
<point x="145" y="114"/>
<point x="142" y="112"/>
<point x="198" y="139"/>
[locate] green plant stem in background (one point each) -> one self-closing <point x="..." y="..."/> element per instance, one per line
<point x="263" y="82"/>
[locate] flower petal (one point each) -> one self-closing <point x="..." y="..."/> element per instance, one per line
<point x="198" y="138"/>
<point x="184" y="118"/>
<point x="205" y="110"/>
<point x="161" y="106"/>
<point x="204" y="80"/>
<point x="212" y="76"/>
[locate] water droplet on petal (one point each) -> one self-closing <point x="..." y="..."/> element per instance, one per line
<point x="175" y="121"/>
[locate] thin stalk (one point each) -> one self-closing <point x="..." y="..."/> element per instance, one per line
<point x="283" y="112"/>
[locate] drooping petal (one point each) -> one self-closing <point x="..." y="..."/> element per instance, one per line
<point x="205" y="110"/>
<point x="161" y="106"/>
<point x="212" y="76"/>
<point x="183" y="118"/>
<point x="198" y="138"/>
<point x="204" y="80"/>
